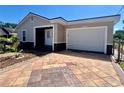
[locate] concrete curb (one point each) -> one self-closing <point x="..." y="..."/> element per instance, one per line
<point x="118" y="69"/>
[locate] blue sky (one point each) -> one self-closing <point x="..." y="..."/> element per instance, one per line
<point x="16" y="13"/>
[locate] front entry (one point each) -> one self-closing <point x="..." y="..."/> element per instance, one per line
<point x="44" y="37"/>
<point x="40" y="38"/>
<point x="48" y="37"/>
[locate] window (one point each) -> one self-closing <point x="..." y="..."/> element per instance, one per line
<point x="24" y="35"/>
<point x="48" y="34"/>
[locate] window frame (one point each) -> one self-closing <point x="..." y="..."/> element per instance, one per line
<point x="23" y="37"/>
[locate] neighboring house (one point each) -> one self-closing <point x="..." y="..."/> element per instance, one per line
<point x="7" y="32"/>
<point x="91" y="34"/>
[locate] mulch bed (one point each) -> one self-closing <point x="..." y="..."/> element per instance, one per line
<point x="7" y="61"/>
<point x="25" y="55"/>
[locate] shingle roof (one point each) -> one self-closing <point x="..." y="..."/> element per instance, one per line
<point x="61" y="18"/>
<point x="74" y="20"/>
<point x="6" y="31"/>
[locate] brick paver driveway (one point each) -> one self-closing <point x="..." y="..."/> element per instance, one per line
<point x="63" y="69"/>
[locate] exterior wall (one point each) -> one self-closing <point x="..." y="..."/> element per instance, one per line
<point x="29" y="33"/>
<point x="108" y="24"/>
<point x="29" y="25"/>
<point x="55" y="32"/>
<point x="59" y="37"/>
<point x="59" y="30"/>
<point x="59" y="33"/>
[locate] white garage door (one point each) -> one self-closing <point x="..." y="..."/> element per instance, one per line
<point x="89" y="39"/>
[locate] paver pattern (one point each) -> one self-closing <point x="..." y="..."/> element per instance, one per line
<point x="63" y="69"/>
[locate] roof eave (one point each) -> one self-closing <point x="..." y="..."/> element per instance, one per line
<point x="115" y="19"/>
<point x="59" y="20"/>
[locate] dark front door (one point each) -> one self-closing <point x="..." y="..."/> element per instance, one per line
<point x="40" y="38"/>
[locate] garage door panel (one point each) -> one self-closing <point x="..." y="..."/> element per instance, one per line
<point x="87" y="39"/>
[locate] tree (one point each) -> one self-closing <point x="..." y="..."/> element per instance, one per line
<point x="119" y="34"/>
<point x="1" y="24"/>
<point x="8" y="25"/>
<point x="3" y="42"/>
<point x="15" y="43"/>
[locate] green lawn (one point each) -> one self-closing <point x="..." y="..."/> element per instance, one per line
<point x="122" y="65"/>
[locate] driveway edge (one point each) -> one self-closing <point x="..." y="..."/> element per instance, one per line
<point x="118" y="69"/>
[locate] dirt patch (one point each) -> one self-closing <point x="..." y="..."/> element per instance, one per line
<point x="26" y="55"/>
<point x="7" y="61"/>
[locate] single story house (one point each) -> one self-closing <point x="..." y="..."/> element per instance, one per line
<point x="91" y="34"/>
<point x="7" y="32"/>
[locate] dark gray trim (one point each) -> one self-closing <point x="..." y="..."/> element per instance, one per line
<point x="30" y="45"/>
<point x="59" y="18"/>
<point x="38" y="15"/>
<point x="65" y="19"/>
<point x="75" y="50"/>
<point x="94" y="18"/>
<point x="59" y="46"/>
<point x="27" y="45"/>
<point x="48" y="47"/>
<point x="109" y="49"/>
<point x="45" y="48"/>
<point x="74" y="20"/>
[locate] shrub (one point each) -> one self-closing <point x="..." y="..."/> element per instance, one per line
<point x="15" y="43"/>
<point x="9" y="44"/>
<point x="1" y="47"/>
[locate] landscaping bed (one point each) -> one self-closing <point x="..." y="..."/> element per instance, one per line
<point x="122" y="65"/>
<point x="10" y="60"/>
<point x="11" y="51"/>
